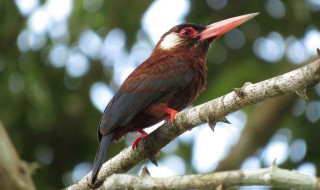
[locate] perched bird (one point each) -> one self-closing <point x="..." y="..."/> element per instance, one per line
<point x="167" y="82"/>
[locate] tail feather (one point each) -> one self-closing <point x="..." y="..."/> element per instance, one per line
<point x="101" y="155"/>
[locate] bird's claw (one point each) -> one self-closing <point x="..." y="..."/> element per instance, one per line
<point x="170" y="114"/>
<point x="135" y="142"/>
<point x="153" y="158"/>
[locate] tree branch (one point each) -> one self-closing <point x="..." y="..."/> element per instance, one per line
<point x="211" y="112"/>
<point x="14" y="172"/>
<point x="272" y="176"/>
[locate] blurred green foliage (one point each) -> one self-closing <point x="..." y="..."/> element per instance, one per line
<point x="44" y="117"/>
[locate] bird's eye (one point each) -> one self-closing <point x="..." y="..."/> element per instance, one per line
<point x="187" y="32"/>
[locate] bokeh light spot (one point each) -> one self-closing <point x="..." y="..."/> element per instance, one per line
<point x="296" y="51"/>
<point x="44" y="154"/>
<point x="313" y="111"/>
<point x="307" y="168"/>
<point x="311" y="41"/>
<point x="81" y="170"/>
<point x="298" y="150"/>
<point x="90" y="43"/>
<point x="217" y="4"/>
<point x="38" y="21"/>
<point x="26" y="6"/>
<point x="186" y="138"/>
<point x="270" y="49"/>
<point x="23" y="41"/>
<point x="171" y="147"/>
<point x="176" y="163"/>
<point x="100" y="95"/>
<point x="275" y="8"/>
<point x="224" y="136"/>
<point x="16" y="82"/>
<point x="234" y="39"/>
<point x="202" y="159"/>
<point x="170" y="166"/>
<point x="278" y="148"/>
<point x="59" y="9"/>
<point x="140" y="52"/>
<point x="58" y="55"/>
<point x="37" y="41"/>
<point x="113" y="46"/>
<point x="170" y="12"/>
<point x="31" y="41"/>
<point x="67" y="179"/>
<point x="92" y="5"/>
<point x="299" y="107"/>
<point x="313" y="5"/>
<point x="251" y="162"/>
<point x="77" y="65"/>
<point x="59" y="33"/>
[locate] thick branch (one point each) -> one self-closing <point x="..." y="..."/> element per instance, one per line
<point x="211" y="112"/>
<point x="14" y="173"/>
<point x="272" y="176"/>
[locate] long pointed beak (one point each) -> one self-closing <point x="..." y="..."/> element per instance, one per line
<point x="217" y="29"/>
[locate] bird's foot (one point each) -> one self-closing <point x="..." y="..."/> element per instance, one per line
<point x="143" y="134"/>
<point x="153" y="158"/>
<point x="170" y="114"/>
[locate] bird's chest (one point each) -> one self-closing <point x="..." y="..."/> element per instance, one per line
<point x="184" y="97"/>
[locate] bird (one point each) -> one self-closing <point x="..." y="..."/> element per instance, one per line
<point x="163" y="85"/>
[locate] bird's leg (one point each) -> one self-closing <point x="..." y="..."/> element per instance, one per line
<point x="170" y="114"/>
<point x="143" y="134"/>
<point x="135" y="143"/>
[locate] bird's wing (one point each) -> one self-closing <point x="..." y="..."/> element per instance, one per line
<point x="149" y="83"/>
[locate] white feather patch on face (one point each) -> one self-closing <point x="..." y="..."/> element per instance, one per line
<point x="170" y="41"/>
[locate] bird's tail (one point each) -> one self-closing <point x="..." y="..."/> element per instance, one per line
<point x="101" y="155"/>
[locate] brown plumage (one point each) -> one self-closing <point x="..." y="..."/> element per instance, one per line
<point x="166" y="83"/>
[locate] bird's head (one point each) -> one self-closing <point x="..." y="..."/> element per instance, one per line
<point x="194" y="38"/>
